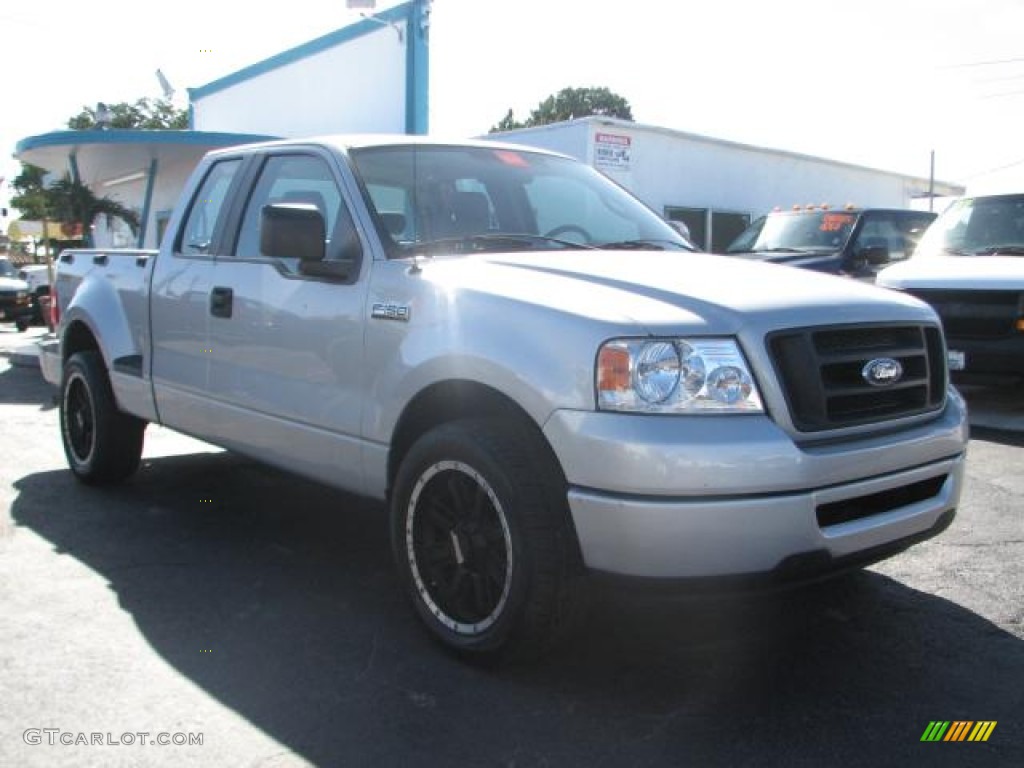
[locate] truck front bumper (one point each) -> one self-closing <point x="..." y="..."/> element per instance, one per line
<point x="12" y="310"/>
<point x="692" y="498"/>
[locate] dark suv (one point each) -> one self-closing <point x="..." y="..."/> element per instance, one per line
<point x="856" y="242"/>
<point x="15" y="299"/>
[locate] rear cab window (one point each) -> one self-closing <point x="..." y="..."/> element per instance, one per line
<point x="207" y="210"/>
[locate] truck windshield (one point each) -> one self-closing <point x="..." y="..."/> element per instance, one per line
<point x="7" y="269"/>
<point x="434" y="198"/>
<point x="978" y="226"/>
<point x="797" y="232"/>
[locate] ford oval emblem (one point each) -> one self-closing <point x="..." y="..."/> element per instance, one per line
<point x="882" y="372"/>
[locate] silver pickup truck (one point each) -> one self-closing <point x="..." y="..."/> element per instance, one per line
<point x="533" y="370"/>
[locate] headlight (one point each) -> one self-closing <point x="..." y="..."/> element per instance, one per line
<point x="675" y="376"/>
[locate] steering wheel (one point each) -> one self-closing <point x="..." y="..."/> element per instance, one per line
<point x="567" y="228"/>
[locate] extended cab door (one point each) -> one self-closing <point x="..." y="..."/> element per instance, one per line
<point x="179" y="301"/>
<point x="286" y="349"/>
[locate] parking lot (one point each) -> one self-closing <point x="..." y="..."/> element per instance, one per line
<point x="212" y="596"/>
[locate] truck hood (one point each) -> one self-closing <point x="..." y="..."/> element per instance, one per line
<point x="1005" y="273"/>
<point x="671" y="290"/>
<point x="823" y="261"/>
<point x="784" y="257"/>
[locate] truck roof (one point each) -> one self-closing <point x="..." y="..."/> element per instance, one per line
<point x="344" y="142"/>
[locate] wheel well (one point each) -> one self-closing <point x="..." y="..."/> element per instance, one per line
<point x="451" y="400"/>
<point x="77" y="338"/>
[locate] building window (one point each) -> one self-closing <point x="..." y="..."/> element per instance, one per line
<point x="725" y="227"/>
<point x="695" y="219"/>
<point x="710" y="229"/>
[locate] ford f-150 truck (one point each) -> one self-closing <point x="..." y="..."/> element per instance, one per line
<point x="527" y="364"/>
<point x="970" y="268"/>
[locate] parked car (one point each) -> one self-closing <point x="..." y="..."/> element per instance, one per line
<point x="970" y="268"/>
<point x="15" y="298"/>
<point x="38" y="278"/>
<point x="855" y="242"/>
<point x="509" y="350"/>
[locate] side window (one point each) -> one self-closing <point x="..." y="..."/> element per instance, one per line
<point x="898" y="233"/>
<point x="207" y="208"/>
<point x="876" y="232"/>
<point x="298" y="179"/>
<point x="394" y="207"/>
<point x="913" y="229"/>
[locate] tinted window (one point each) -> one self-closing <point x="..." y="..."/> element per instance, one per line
<point x="479" y="197"/>
<point x="296" y="179"/>
<point x="977" y="226"/>
<point x="898" y="232"/>
<point x="819" y="231"/>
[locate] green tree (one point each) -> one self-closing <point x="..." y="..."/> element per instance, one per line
<point x="32" y="198"/>
<point x="570" y="103"/>
<point x="144" y="114"/>
<point x="66" y="201"/>
<point x="74" y="204"/>
<point x="507" y="123"/>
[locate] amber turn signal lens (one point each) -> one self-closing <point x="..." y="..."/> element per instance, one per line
<point x="613" y="369"/>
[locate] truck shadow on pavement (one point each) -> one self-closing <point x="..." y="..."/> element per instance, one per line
<point x="292" y="587"/>
<point x="20" y="384"/>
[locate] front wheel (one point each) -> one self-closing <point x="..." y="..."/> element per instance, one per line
<point x="102" y="444"/>
<point x="483" y="540"/>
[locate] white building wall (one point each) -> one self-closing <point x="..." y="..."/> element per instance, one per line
<point x="170" y="182"/>
<point x="672" y="169"/>
<point x="571" y="139"/>
<point x="348" y="88"/>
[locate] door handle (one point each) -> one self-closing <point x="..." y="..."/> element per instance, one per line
<point x="220" y="301"/>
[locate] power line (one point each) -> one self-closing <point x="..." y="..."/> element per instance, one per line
<point x="1000" y="95"/>
<point x="984" y="63"/>
<point x="993" y="170"/>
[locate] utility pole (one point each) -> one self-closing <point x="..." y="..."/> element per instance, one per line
<point x="931" y="185"/>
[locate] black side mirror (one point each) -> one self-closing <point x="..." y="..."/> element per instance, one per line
<point x="875" y="254"/>
<point x="292" y="230"/>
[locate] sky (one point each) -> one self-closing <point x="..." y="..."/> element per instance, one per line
<point x="880" y="83"/>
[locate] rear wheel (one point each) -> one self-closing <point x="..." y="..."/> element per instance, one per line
<point x="21" y="325"/>
<point x="102" y="444"/>
<point x="483" y="540"/>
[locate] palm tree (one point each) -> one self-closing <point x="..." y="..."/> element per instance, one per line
<point x="72" y="202"/>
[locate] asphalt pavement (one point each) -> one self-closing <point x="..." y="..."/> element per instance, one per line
<point x="211" y="596"/>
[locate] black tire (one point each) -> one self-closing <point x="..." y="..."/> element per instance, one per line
<point x="484" y="542"/>
<point x="102" y="444"/>
<point x="21" y="325"/>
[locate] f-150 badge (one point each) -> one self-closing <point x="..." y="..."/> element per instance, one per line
<point x="389" y="310"/>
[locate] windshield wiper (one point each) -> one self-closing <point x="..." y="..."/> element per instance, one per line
<point x="495" y="242"/>
<point x="639" y="245"/>
<point x="787" y="249"/>
<point x="1000" y="250"/>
